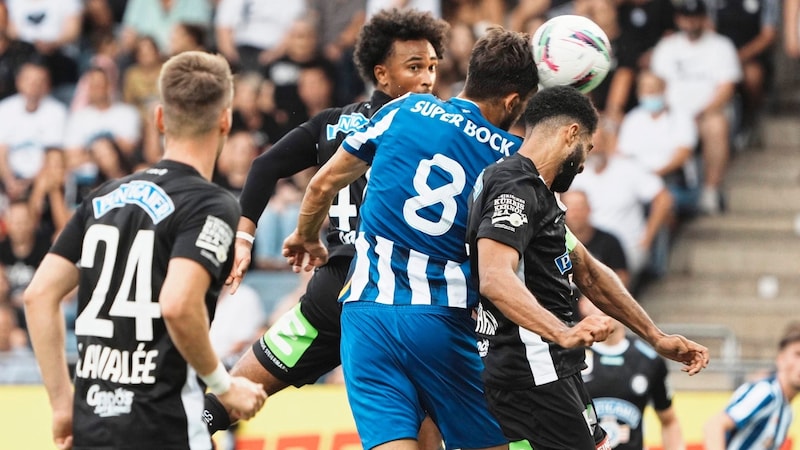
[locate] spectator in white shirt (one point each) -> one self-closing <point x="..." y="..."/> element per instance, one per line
<point x="102" y="117"/>
<point x="32" y="121"/>
<point x="626" y="200"/>
<point x="701" y="69"/>
<point x="53" y="28"/>
<point x="662" y="140"/>
<point x="251" y="34"/>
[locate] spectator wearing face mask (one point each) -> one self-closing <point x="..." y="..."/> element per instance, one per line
<point x="662" y="140"/>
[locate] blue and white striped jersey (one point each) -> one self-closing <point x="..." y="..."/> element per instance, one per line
<point x="426" y="154"/>
<point x="762" y="416"/>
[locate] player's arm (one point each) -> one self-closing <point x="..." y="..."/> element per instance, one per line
<point x="497" y="268"/>
<point x="55" y="277"/>
<point x="183" y="309"/>
<point x="604" y="288"/>
<point x="341" y="170"/>
<point x="715" y="430"/>
<point x="671" y="435"/>
<point x="292" y="153"/>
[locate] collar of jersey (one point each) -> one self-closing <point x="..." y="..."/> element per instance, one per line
<point x="611" y="350"/>
<point x="466" y="105"/>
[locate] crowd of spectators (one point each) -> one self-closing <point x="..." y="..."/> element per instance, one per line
<point x="78" y="86"/>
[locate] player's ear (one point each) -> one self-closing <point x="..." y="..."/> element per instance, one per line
<point x="572" y="132"/>
<point x="511" y="102"/>
<point x="159" y="117"/>
<point x="226" y="121"/>
<point x="381" y="75"/>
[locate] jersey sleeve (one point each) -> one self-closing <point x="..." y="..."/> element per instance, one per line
<point x="661" y="393"/>
<point x="747" y="402"/>
<point x="362" y="144"/>
<point x="205" y="234"/>
<point x="70" y="241"/>
<point x="295" y="151"/>
<point x="508" y="212"/>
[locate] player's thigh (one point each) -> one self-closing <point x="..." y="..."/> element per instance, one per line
<point x="320" y="304"/>
<point x="303" y="344"/>
<point x="554" y="416"/>
<point x="445" y="366"/>
<point x="378" y="387"/>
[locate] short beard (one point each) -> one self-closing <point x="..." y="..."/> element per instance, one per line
<point x="569" y="169"/>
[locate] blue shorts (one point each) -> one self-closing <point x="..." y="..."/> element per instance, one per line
<point x="402" y="362"/>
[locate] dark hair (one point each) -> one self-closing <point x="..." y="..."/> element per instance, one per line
<point x="691" y="8"/>
<point x="374" y="43"/>
<point x="560" y="102"/>
<point x="501" y="63"/>
<point x="196" y="32"/>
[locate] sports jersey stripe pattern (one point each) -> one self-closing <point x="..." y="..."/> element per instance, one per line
<point x="540" y="361"/>
<point x="762" y="416"/>
<point x="196" y="430"/>
<point x="410" y="246"/>
<point x="389" y="274"/>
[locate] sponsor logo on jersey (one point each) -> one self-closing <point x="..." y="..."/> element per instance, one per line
<point x="483" y="347"/>
<point x="109" y="403"/>
<point x="563" y="263"/>
<point x="482" y="134"/>
<point x="510" y="209"/>
<point x="639" y="384"/>
<point x="623" y="411"/>
<point x="347" y="123"/>
<point x="616" y="433"/>
<point x="144" y="194"/>
<point x="215" y="238"/>
<point x="117" y="366"/>
<point x="486" y="323"/>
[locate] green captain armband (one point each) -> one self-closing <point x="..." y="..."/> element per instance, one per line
<point x="571" y="240"/>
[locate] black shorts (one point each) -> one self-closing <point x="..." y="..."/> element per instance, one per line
<point x="303" y="344"/>
<point x="555" y="416"/>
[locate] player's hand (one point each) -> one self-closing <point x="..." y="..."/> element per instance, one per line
<point x="303" y="254"/>
<point x="677" y="348"/>
<point x="62" y="428"/>
<point x="593" y="328"/>
<point x="242" y="251"/>
<point x="244" y="398"/>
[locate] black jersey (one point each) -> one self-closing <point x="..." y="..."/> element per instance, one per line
<point x="622" y="380"/>
<point x="132" y="387"/>
<point x="512" y="205"/>
<point x="312" y="144"/>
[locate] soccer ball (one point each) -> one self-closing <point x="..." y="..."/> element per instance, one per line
<point x="571" y="51"/>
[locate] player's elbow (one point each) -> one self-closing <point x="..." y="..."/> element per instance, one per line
<point x="33" y="292"/>
<point x="172" y="308"/>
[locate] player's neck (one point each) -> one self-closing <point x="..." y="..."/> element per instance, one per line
<point x="198" y="152"/>
<point x="543" y="154"/>
<point x="788" y="389"/>
<point x="491" y="111"/>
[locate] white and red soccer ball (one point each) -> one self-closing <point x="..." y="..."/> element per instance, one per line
<point x="573" y="51"/>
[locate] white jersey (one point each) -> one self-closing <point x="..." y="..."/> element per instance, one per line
<point x="694" y="70"/>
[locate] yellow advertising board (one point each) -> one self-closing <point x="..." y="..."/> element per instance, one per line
<point x="318" y="418"/>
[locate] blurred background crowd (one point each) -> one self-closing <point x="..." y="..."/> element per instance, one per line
<point x="688" y="86"/>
